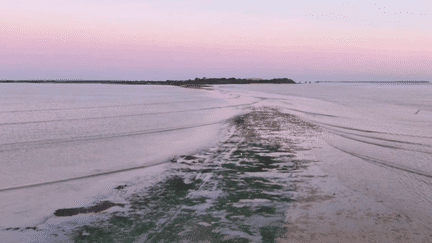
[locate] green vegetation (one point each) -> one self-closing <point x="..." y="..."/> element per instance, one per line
<point x="236" y="192"/>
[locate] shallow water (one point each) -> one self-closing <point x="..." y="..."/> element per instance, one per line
<point x="55" y="133"/>
<point x="378" y="137"/>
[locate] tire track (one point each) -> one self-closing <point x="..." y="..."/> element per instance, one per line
<point x="384" y="163"/>
<point x="235" y="192"/>
<point x="380" y="145"/>
<point x="310" y="113"/>
<point x="120" y="116"/>
<point x="108" y="172"/>
<point x="41" y="143"/>
<point x="382" y="139"/>
<point x="369" y="131"/>
<point x="107" y="106"/>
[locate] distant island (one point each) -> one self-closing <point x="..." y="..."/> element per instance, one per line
<point x="190" y="82"/>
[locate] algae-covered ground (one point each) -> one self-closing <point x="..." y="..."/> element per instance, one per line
<point x="238" y="191"/>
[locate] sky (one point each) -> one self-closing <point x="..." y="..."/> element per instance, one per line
<point x="308" y="40"/>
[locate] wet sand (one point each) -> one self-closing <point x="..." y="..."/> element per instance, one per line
<point x="262" y="183"/>
<point x="327" y="211"/>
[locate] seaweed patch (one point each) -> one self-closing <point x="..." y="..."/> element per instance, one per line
<point x="101" y="206"/>
<point x="237" y="192"/>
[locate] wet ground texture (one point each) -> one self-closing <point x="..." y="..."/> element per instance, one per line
<point x="238" y="191"/>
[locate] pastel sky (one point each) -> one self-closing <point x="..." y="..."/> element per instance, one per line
<point x="304" y="40"/>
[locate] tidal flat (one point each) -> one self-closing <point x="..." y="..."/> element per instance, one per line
<point x="273" y="175"/>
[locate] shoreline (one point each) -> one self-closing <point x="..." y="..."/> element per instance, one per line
<point x="196" y="82"/>
<point x="263" y="183"/>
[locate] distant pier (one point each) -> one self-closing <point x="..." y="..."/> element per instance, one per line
<point x="378" y="82"/>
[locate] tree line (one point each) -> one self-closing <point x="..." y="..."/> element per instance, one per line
<point x="196" y="81"/>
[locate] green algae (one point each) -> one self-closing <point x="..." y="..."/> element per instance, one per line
<point x="174" y="211"/>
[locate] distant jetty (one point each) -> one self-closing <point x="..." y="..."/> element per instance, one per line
<point x="378" y="82"/>
<point x="189" y="83"/>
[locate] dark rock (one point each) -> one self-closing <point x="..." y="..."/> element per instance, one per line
<point x="120" y="187"/>
<point x="104" y="205"/>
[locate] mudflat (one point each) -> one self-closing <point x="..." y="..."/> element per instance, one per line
<point x="262" y="183"/>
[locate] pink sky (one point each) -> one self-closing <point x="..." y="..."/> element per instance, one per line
<point x="141" y="41"/>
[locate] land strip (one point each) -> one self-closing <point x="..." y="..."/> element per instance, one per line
<point x="238" y="191"/>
